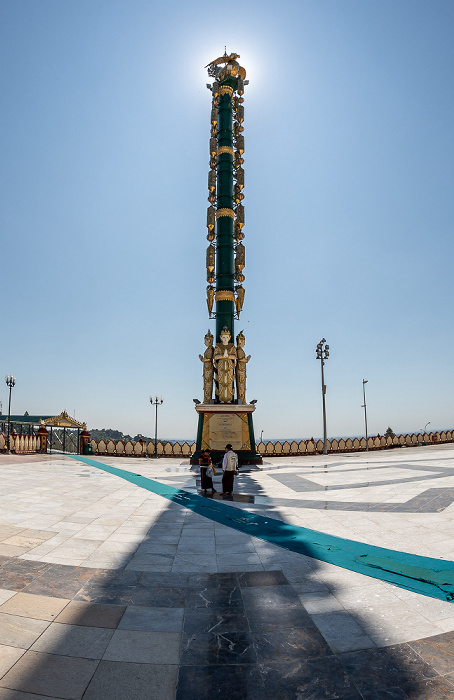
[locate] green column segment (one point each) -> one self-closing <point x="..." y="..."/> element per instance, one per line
<point x="225" y="265"/>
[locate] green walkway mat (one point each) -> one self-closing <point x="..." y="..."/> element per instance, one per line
<point x="424" y="575"/>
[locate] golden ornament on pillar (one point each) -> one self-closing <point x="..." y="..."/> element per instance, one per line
<point x="240" y="258"/>
<point x="239" y="215"/>
<point x="238" y="233"/>
<point x="237" y="194"/>
<point x="211" y="218"/>
<point x="211" y="236"/>
<point x="239" y="299"/>
<point x="213" y="146"/>
<point x="210" y="259"/>
<point x="210" y="299"/>
<point x="239" y="177"/>
<point x="212" y="180"/>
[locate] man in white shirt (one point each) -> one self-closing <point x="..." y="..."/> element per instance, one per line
<point x="229" y="468"/>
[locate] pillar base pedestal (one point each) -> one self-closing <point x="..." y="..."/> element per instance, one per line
<point x="224" y="423"/>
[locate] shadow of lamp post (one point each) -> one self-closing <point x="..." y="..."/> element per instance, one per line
<point x="322" y="355"/>
<point x="10" y="381"/>
<point x="156" y="401"/>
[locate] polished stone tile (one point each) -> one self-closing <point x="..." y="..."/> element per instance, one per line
<point x="289" y="644"/>
<point x="308" y="679"/>
<point x="144" y="647"/>
<point x="146" y="619"/>
<point x="262" y="578"/>
<point x="342" y="631"/>
<point x="115" y="595"/>
<point x="166" y="580"/>
<point x="265" y="597"/>
<point x="73" y="640"/>
<point x="5" y="595"/>
<point x="220" y="682"/>
<point x="210" y="597"/>
<point x="7" y="694"/>
<point x="8" y="657"/>
<point x="277" y="618"/>
<point x="91" y="614"/>
<point x="436" y="651"/>
<point x="218" y="648"/>
<point x="16" y="573"/>
<point x="48" y="674"/>
<point x="210" y="580"/>
<point x="159" y="596"/>
<point x="219" y="620"/>
<point x="34" y="606"/>
<point x="132" y="681"/>
<point x="376" y="670"/>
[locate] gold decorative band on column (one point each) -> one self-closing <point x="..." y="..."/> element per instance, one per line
<point x="225" y="212"/>
<point x="225" y="149"/>
<point x="226" y="90"/>
<point x="224" y="295"/>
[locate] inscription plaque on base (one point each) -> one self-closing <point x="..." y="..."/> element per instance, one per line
<point x="226" y="428"/>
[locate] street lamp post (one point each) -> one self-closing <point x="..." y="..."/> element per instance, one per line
<point x="365" y="411"/>
<point x="322" y="354"/>
<point x="156" y="401"/>
<point x="10" y="381"/>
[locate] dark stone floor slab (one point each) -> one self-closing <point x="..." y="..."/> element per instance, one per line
<point x="220" y="620"/>
<point x="376" y="670"/>
<point x="117" y="680"/>
<point x="225" y="597"/>
<point x="314" y="679"/>
<point x="221" y="580"/>
<point x="277" y="618"/>
<point x="116" y="595"/>
<point x="159" y="596"/>
<point x="16" y="574"/>
<point x="91" y="614"/>
<point x="266" y="597"/>
<point x="163" y="580"/>
<point x="437" y="651"/>
<point x="262" y="578"/>
<point x="236" y="682"/>
<point x="290" y="644"/>
<point x="217" y="648"/>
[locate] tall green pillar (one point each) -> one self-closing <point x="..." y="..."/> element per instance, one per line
<point x="224" y="415"/>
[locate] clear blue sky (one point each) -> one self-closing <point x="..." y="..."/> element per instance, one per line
<point x="349" y="209"/>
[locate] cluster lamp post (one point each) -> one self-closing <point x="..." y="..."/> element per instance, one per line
<point x="322" y="354"/>
<point x="365" y="411"/>
<point x="10" y="381"/>
<point x="156" y="401"/>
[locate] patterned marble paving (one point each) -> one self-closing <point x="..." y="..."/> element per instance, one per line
<point x="112" y="594"/>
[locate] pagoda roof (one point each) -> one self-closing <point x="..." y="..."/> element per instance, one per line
<point x="60" y="421"/>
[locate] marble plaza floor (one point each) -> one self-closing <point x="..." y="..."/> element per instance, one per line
<point x="109" y="591"/>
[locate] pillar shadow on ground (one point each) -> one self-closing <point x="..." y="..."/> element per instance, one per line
<point x="139" y="632"/>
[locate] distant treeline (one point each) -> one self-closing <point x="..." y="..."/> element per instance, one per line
<point x="109" y="434"/>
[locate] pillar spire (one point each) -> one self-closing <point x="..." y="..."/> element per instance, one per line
<point x="224" y="406"/>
